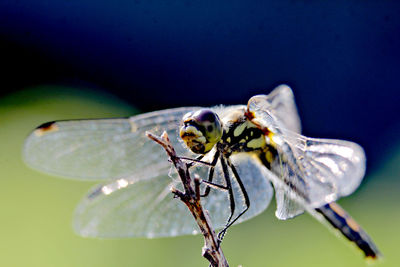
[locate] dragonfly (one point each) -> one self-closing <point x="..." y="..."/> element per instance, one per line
<point x="251" y="152"/>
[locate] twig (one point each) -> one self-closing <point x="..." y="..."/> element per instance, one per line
<point x="191" y="197"/>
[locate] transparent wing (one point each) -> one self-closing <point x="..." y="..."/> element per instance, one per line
<point x="136" y="208"/>
<point x="287" y="206"/>
<point x="312" y="172"/>
<point x="280" y="103"/>
<point x="330" y="168"/>
<point x="103" y="148"/>
<point x="321" y="171"/>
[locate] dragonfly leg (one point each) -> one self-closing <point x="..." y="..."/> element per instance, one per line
<point x="231" y="199"/>
<point x="214" y="185"/>
<point x="197" y="160"/>
<point x="246" y="200"/>
<point x="211" y="176"/>
<point x="209" y="182"/>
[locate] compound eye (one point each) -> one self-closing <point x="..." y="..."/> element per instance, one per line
<point x="210" y="123"/>
<point x="205" y="115"/>
<point x="201" y="130"/>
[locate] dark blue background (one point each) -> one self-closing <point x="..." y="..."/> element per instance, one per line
<point x="340" y="57"/>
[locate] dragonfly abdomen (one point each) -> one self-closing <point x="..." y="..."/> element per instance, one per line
<point x="342" y="221"/>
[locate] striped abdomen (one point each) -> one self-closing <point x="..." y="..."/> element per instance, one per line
<point x="342" y="221"/>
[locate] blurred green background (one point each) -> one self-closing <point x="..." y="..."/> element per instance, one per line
<point x="340" y="57"/>
<point x="36" y="209"/>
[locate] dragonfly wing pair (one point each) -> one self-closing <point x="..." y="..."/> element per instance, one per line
<point x="310" y="172"/>
<point x="136" y="199"/>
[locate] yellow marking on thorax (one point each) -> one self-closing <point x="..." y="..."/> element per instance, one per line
<point x="45" y="130"/>
<point x="269" y="156"/>
<point x="271" y="139"/>
<point x="257" y="143"/>
<point x="239" y="129"/>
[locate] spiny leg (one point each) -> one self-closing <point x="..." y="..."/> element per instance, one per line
<point x="231" y="197"/>
<point x="228" y="187"/>
<point x="209" y="182"/>
<point x="211" y="176"/>
<point x="245" y="196"/>
<point x="192" y="161"/>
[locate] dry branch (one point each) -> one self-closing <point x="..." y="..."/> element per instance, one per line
<point x="191" y="197"/>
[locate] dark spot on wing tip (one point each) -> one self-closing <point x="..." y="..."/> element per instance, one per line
<point x="46" y="125"/>
<point x="46" y="128"/>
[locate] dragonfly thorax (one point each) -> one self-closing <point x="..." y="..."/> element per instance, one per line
<point x="240" y="134"/>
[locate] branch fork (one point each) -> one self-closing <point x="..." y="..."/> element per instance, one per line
<point x="191" y="197"/>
